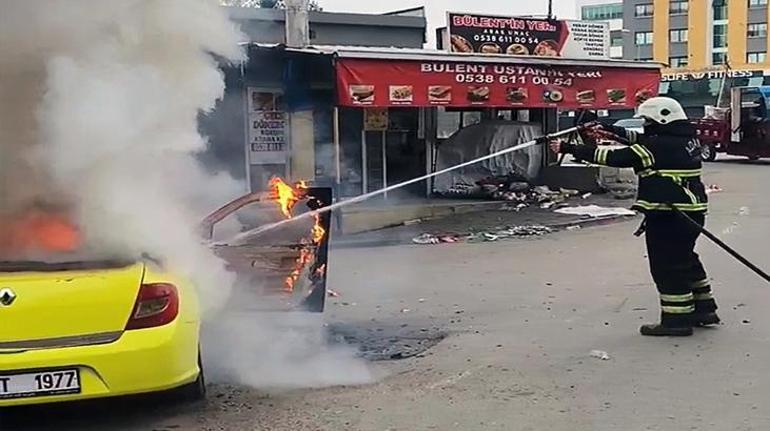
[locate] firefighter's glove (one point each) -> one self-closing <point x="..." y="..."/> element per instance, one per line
<point x="562" y="147"/>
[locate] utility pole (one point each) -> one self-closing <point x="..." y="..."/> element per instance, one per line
<point x="297" y="24"/>
<point x="550" y="9"/>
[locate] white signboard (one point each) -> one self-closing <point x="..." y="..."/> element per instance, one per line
<point x="587" y="39"/>
<point x="266" y="129"/>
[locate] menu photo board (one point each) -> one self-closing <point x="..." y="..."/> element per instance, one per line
<point x="267" y="124"/>
<point x="488" y="34"/>
<point x="370" y="84"/>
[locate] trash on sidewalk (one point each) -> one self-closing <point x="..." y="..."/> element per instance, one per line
<point x="743" y="211"/>
<point x="713" y="188"/>
<point x="486" y="236"/>
<point x="600" y="354"/>
<point x="332" y="293"/>
<point x="596" y="211"/>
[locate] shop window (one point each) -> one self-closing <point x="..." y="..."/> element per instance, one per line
<point x="643" y="10"/>
<point x="679" y="8"/>
<point x="756" y="30"/>
<point x="756" y="57"/>
<point x="676" y="36"/>
<point x="643" y="38"/>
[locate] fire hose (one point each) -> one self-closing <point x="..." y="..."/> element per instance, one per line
<point x="721" y="244"/>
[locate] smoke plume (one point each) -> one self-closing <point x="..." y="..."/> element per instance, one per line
<point x="99" y="106"/>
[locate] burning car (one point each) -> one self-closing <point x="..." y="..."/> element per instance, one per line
<point x="77" y="327"/>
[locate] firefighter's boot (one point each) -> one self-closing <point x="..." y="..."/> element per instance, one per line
<point x="705" y="305"/>
<point x="660" y="330"/>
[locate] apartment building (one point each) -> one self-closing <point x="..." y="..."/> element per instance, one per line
<point x="699" y="40"/>
<point x="697" y="34"/>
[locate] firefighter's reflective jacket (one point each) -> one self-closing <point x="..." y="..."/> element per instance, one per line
<point x="667" y="160"/>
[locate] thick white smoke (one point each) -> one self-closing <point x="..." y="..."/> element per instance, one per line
<point x="99" y="105"/>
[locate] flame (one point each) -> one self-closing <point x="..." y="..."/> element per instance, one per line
<point x="305" y="257"/>
<point x="318" y="231"/>
<point x="287" y="197"/>
<point x="38" y="231"/>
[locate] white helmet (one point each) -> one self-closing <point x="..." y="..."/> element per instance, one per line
<point x="662" y="110"/>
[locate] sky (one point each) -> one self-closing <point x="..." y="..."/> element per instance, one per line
<point x="436" y="9"/>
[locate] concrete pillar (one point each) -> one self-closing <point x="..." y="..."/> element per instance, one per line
<point x="302" y="146"/>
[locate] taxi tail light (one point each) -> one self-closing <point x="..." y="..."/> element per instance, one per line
<point x="156" y="305"/>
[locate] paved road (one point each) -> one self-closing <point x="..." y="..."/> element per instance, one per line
<point x="520" y="318"/>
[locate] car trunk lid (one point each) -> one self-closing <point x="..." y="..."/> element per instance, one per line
<point x="46" y="301"/>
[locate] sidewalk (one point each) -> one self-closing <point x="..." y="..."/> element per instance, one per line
<point x="492" y="219"/>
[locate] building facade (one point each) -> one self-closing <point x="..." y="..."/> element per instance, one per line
<point x="605" y="10"/>
<point x="706" y="45"/>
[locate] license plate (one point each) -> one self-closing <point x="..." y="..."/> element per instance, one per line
<point x="38" y="384"/>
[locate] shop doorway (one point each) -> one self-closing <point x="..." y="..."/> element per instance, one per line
<point x="395" y="154"/>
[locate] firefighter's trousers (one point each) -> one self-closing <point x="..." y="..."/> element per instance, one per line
<point x="676" y="269"/>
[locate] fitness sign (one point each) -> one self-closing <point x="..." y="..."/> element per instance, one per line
<point x="376" y="83"/>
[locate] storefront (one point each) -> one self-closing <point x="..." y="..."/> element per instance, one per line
<point x="362" y="118"/>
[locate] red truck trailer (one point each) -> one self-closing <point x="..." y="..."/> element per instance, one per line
<point x="742" y="129"/>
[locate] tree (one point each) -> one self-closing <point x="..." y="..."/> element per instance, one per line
<point x="267" y="4"/>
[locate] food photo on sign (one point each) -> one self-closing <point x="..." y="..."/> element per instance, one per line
<point x="487" y="34"/>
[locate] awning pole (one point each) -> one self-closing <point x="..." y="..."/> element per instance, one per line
<point x="384" y="163"/>
<point x="337" y="149"/>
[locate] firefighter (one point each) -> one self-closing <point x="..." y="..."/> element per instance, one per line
<point x="666" y="157"/>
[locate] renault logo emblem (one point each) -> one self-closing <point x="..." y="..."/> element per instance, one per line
<point x="7" y="296"/>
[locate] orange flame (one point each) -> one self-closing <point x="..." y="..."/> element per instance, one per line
<point x="38" y="231"/>
<point x="287" y="197"/>
<point x="285" y="194"/>
<point x="318" y="231"/>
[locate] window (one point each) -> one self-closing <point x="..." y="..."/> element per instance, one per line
<point x="679" y="8"/>
<point x="718" y="58"/>
<point x="757" y="3"/>
<point x="720" y="35"/>
<point x="644" y="38"/>
<point x="757" y="30"/>
<point x="603" y="12"/>
<point x="677" y="61"/>
<point x="720" y="10"/>
<point x="643" y="10"/>
<point x="616" y="39"/>
<point x="756" y="57"/>
<point x="677" y="35"/>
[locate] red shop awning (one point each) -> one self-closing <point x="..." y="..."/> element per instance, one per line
<point x="368" y="80"/>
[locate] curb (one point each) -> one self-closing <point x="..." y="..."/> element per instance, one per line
<point x="389" y="242"/>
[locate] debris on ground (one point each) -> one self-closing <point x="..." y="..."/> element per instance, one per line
<point x="512" y="188"/>
<point x="595" y="211"/>
<point x="490" y="236"/>
<point x="713" y="188"/>
<point x="332" y="293"/>
<point x="743" y="211"/>
<point x="600" y="354"/>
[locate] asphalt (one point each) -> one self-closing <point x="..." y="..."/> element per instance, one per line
<point x="507" y="335"/>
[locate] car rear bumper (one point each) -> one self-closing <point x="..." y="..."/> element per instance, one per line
<point x="145" y="360"/>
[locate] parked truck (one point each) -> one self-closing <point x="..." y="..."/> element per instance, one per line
<point x="742" y="129"/>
